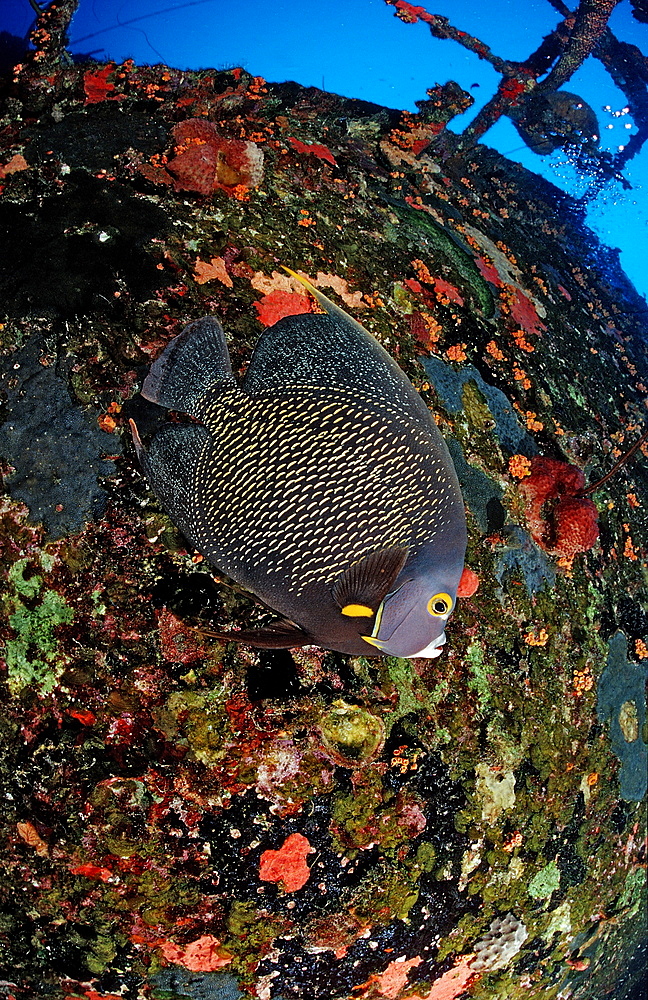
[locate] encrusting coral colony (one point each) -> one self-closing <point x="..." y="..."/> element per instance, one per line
<point x="188" y="817"/>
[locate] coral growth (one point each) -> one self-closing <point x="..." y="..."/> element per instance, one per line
<point x="205" y="161"/>
<point x="501" y="942"/>
<point x="560" y="521"/>
<point x="183" y="817"/>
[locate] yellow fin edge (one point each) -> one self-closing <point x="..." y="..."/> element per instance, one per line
<point x="327" y="304"/>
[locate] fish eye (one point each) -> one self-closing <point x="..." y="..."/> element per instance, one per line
<point x="440" y="605"/>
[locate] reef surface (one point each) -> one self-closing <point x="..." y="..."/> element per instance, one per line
<point x="187" y="818"/>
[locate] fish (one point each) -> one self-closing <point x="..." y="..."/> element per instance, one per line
<point x="321" y="484"/>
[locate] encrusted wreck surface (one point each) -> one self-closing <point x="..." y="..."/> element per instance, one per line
<point x="188" y="818"/>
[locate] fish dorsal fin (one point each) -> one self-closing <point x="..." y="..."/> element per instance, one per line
<point x="361" y="588"/>
<point x="330" y="351"/>
<point x="190" y="364"/>
<point x="281" y="634"/>
<point x="327" y="304"/>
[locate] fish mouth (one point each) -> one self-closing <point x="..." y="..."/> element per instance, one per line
<point x="432" y="650"/>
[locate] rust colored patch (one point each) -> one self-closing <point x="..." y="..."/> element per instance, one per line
<point x="394" y="978"/>
<point x="83" y="715"/>
<point x="314" y="148"/>
<point x="92" y="872"/>
<point x="215" y="270"/>
<point x="468" y="584"/>
<point x="288" y="864"/>
<point x="425" y="329"/>
<point x="447" y="292"/>
<point x="488" y="271"/>
<point x="452" y="983"/>
<point x="15" y="164"/>
<point x="278" y="304"/>
<point x="202" y="955"/>
<point x="31" y="836"/>
<point x="97" y="86"/>
<point x="523" y="311"/>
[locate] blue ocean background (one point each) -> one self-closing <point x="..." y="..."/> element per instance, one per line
<point x="361" y="49"/>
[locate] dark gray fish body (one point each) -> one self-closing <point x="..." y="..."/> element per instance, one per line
<point x="322" y="484"/>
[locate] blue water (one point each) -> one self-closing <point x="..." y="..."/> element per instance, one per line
<point x="360" y="49"/>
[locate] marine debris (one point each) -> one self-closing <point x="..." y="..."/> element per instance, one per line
<point x="528" y="91"/>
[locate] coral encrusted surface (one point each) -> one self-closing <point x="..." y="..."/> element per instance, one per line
<point x="183" y="817"/>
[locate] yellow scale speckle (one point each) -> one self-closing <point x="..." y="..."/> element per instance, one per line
<point x="260" y="480"/>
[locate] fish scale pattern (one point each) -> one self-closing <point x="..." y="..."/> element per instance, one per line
<point x="311" y="481"/>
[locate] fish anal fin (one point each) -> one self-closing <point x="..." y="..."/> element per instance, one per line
<point x="278" y="635"/>
<point x="365" y="584"/>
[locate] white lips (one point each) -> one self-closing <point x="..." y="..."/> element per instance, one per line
<point x="434" y="649"/>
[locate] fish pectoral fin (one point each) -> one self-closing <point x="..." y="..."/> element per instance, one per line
<point x="366" y="583"/>
<point x="281" y="634"/>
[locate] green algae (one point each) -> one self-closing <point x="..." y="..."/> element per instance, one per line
<point x="633" y="897"/>
<point x="479" y="681"/>
<point x="403" y="299"/>
<point x="351" y="730"/>
<point x="34" y="656"/>
<point x="201" y="719"/>
<point x="250" y="933"/>
<point x="470" y="278"/>
<point x="388" y="893"/>
<point x="374" y="815"/>
<point x="401" y="674"/>
<point x="480" y="435"/>
<point x="413" y="694"/>
<point x="544" y="882"/>
<point x="102" y="950"/>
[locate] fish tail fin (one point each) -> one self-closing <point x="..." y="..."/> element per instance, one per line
<point x="192" y="362"/>
<point x="169" y="465"/>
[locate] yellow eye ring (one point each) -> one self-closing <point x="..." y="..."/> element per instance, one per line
<point x="440" y="605"/>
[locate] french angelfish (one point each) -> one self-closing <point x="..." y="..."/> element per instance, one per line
<point x="321" y="483"/>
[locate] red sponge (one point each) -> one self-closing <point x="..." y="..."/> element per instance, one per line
<point x="561" y="522"/>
